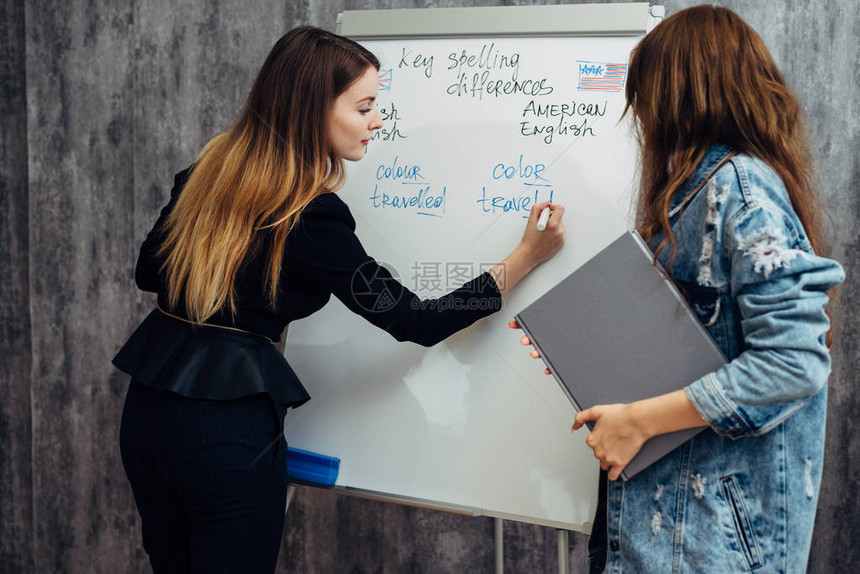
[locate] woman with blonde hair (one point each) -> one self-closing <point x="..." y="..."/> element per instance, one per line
<point x="727" y="204"/>
<point x="254" y="237"/>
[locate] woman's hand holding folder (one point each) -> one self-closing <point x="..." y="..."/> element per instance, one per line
<point x="620" y="430"/>
<point x="616" y="437"/>
<point x="525" y="341"/>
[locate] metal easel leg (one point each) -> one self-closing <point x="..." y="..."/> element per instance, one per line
<point x="563" y="552"/>
<point x="499" y="536"/>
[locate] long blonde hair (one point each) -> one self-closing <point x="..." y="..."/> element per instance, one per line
<point x="249" y="184"/>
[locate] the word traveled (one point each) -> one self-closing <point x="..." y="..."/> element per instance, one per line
<point x="414" y="191"/>
<point x="521" y="203"/>
<point x="422" y="199"/>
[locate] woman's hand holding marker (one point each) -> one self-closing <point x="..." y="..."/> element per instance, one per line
<point x="544" y="236"/>
<point x="543" y="241"/>
<point x="534" y="248"/>
<point x="543" y="218"/>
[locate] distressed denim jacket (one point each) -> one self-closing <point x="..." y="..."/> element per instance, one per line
<point x="741" y="495"/>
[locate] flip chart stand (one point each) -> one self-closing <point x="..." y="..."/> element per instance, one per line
<point x="386" y="410"/>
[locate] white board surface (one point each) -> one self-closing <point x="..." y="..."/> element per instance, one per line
<point x="472" y="424"/>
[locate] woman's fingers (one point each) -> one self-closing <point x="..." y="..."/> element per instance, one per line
<point x="557" y="214"/>
<point x="615" y="438"/>
<point x="583" y="417"/>
<point x="524" y="341"/>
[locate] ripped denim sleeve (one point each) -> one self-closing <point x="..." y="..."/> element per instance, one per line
<point x="780" y="287"/>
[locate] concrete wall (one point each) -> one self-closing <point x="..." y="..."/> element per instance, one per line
<point x="102" y="102"/>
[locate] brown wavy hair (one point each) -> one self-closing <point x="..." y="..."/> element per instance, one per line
<point x="250" y="184"/>
<point x="704" y="76"/>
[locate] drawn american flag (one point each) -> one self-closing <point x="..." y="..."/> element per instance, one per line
<point x="601" y="76"/>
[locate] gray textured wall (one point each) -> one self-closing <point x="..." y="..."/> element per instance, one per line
<point x="101" y="104"/>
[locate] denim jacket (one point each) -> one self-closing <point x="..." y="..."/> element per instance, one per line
<point x="741" y="495"/>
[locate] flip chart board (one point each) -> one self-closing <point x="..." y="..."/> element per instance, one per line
<point x="487" y="111"/>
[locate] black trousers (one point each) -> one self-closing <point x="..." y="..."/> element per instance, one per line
<point x="209" y="479"/>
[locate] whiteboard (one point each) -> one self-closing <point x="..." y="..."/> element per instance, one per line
<point x="477" y="129"/>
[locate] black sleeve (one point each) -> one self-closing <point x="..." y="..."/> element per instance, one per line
<point x="146" y="273"/>
<point x="324" y="248"/>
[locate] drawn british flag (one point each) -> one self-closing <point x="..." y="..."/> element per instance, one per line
<point x="601" y="76"/>
<point x="384" y="80"/>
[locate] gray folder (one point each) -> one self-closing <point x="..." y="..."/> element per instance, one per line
<point x="616" y="331"/>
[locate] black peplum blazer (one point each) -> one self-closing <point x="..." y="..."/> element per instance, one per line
<point x="323" y="256"/>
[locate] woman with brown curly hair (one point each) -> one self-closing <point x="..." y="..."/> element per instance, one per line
<point x="728" y="206"/>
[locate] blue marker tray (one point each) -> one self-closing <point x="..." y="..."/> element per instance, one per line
<point x="305" y="467"/>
